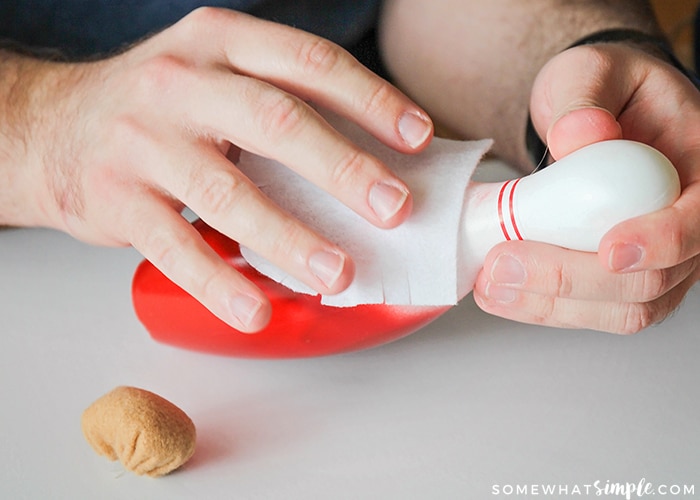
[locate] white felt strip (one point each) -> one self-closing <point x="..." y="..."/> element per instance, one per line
<point x="413" y="264"/>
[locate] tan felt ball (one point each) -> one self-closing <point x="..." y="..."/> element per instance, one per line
<point x="147" y="433"/>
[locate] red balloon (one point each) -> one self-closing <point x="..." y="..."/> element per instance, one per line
<point x="300" y="326"/>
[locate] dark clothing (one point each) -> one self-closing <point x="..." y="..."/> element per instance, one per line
<point x="80" y="28"/>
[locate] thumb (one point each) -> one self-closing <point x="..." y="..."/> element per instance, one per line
<point x="577" y="127"/>
<point x="575" y="102"/>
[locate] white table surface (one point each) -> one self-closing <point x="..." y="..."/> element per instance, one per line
<point x="467" y="406"/>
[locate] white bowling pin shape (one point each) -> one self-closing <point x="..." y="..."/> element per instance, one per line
<point x="572" y="203"/>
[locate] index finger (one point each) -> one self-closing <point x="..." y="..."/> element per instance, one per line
<point x="311" y="68"/>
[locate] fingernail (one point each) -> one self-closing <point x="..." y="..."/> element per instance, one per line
<point x="244" y="308"/>
<point x="414" y="129"/>
<point x="327" y="266"/>
<point x="386" y="200"/>
<point x="507" y="270"/>
<point x="500" y="294"/>
<point x="625" y="256"/>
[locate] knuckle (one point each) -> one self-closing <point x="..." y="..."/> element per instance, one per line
<point x="597" y="56"/>
<point x="158" y="76"/>
<point x="204" y="15"/>
<point x="287" y="241"/>
<point x="167" y="249"/>
<point x="377" y="99"/>
<point x="217" y="192"/>
<point x="638" y="316"/>
<point x="561" y="282"/>
<point x="546" y="310"/>
<point x="201" y="22"/>
<point x="680" y="244"/>
<point x="319" y="57"/>
<point x="651" y="285"/>
<point x="162" y="247"/>
<point x="208" y="285"/>
<point x="281" y="116"/>
<point x="348" y="169"/>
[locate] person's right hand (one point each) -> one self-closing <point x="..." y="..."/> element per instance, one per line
<point x="112" y="150"/>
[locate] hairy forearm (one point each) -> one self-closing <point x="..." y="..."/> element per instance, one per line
<point x="472" y="63"/>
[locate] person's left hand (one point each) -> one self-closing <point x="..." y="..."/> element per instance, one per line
<point x="645" y="266"/>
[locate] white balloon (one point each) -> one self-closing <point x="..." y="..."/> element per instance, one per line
<point x="572" y="203"/>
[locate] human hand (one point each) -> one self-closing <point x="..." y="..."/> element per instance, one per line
<point x="645" y="266"/>
<point x="117" y="147"/>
